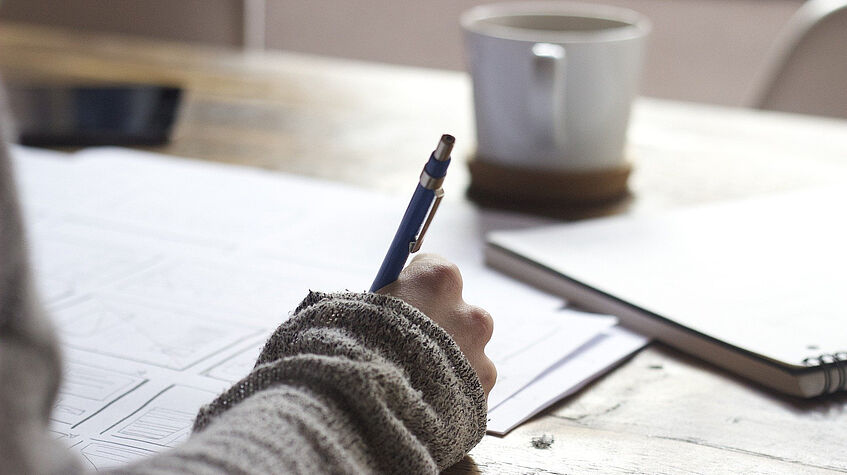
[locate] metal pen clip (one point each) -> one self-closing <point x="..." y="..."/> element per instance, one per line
<point x="416" y="243"/>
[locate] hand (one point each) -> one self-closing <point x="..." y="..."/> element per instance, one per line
<point x="433" y="285"/>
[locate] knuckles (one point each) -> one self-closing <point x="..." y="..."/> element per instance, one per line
<point x="487" y="375"/>
<point x="481" y="323"/>
<point x="442" y="277"/>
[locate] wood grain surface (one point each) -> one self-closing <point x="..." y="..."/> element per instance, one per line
<point x="372" y="125"/>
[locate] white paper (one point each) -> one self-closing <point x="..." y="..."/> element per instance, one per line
<point x="566" y="377"/>
<point x="522" y="351"/>
<point x="165" y="277"/>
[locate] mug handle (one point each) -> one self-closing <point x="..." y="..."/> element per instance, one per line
<point x="548" y="93"/>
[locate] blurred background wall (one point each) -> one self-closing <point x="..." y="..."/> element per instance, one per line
<point x="213" y="21"/>
<point x="701" y="50"/>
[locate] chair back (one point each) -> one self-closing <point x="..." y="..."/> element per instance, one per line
<point x="807" y="70"/>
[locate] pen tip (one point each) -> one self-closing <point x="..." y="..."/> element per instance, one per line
<point x="445" y="146"/>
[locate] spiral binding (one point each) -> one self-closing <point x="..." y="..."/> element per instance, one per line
<point x="839" y="360"/>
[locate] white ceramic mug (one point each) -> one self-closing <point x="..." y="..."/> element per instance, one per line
<point x="553" y="82"/>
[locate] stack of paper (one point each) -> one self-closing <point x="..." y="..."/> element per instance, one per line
<point x="165" y="276"/>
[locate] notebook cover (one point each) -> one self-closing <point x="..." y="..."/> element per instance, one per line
<point x="765" y="275"/>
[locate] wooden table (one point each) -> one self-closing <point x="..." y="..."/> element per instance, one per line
<point x="366" y="124"/>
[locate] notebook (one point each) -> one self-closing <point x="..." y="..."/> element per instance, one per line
<point x="758" y="287"/>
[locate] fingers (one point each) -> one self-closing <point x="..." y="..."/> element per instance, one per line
<point x="430" y="283"/>
<point x="478" y="327"/>
<point x="434" y="286"/>
<point x="471" y="327"/>
<point x="436" y="275"/>
<point x="487" y="373"/>
<point x="481" y="324"/>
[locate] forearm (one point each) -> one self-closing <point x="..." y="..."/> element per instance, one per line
<point x="282" y="429"/>
<point x="352" y="383"/>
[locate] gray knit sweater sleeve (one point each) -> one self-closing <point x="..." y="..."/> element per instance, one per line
<point x="352" y="383"/>
<point x="29" y="357"/>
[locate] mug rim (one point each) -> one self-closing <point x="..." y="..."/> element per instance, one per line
<point x="636" y="25"/>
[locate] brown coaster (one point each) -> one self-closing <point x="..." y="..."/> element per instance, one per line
<point x="512" y="187"/>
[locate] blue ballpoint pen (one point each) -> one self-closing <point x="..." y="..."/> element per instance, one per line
<point x="427" y="193"/>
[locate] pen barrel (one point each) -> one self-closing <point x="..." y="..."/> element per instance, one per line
<point x="436" y="168"/>
<point x="398" y="252"/>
